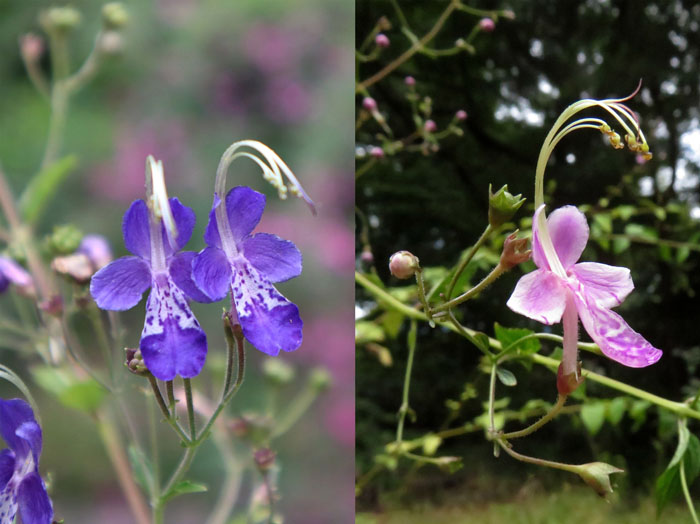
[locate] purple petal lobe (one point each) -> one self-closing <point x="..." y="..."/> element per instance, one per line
<point x="184" y="220"/>
<point x="137" y="238"/>
<point x="180" y="267"/>
<point x="7" y="467"/>
<point x="8" y="503"/>
<point x="538" y="256"/>
<point x="172" y="342"/>
<point x="15" y="273"/>
<point x="613" y="335"/>
<point x="34" y="504"/>
<point x="31" y="433"/>
<point x="269" y="321"/>
<point x="276" y="259"/>
<point x="607" y="285"/>
<point x="211" y="272"/>
<point x="568" y="229"/>
<point x="540" y="296"/>
<point x="244" y="207"/>
<point x="4" y="283"/>
<point x="119" y="285"/>
<point x="211" y="233"/>
<point x="13" y="414"/>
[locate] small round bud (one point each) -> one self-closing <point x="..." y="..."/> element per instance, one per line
<point x="320" y="379"/>
<point x="134" y="361"/>
<point x="409" y="81"/>
<point x="376" y="152"/>
<point x="430" y="126"/>
<point x="403" y="264"/>
<point x="53" y="306"/>
<point x="382" y="40"/>
<point x="509" y="14"/>
<point x="384" y="24"/>
<point x="65" y="239"/>
<point x="277" y="371"/>
<point x="114" y="15"/>
<point x="461" y="115"/>
<point x="111" y="42"/>
<point x="487" y="25"/>
<point x="61" y="19"/>
<point x="31" y="46"/>
<point x="369" y="104"/>
<point x="264" y="458"/>
<point x="366" y="256"/>
<point x="239" y="427"/>
<point x="97" y="249"/>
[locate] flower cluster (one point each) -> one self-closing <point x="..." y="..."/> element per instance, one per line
<point x="155" y="231"/>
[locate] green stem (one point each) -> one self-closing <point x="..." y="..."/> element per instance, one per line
<point x="411" y="50"/>
<point x="556" y="409"/>
<point x="462" y="266"/>
<point x="487" y="281"/>
<point x="403" y="410"/>
<point x="686" y="494"/>
<point x="537" y="461"/>
<point x="190" y="408"/>
<point x="182" y="467"/>
<point x="169" y="418"/>
<point x="170" y="391"/>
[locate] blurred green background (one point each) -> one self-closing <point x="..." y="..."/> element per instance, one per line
<point x="434" y="203"/>
<point x="192" y="78"/>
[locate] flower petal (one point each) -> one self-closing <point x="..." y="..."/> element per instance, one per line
<point x="613" y="335"/>
<point x="276" y="259"/>
<point x="119" y="285"/>
<point x="13" y="414"/>
<point x="211" y="233"/>
<point x="184" y="220"/>
<point x="538" y="256"/>
<point x="211" y="272"/>
<point x="539" y="295"/>
<point x="568" y="229"/>
<point x="180" y="268"/>
<point x="7" y="468"/>
<point x="172" y="343"/>
<point x="31" y="433"/>
<point x="15" y="273"/>
<point x="607" y="285"/>
<point x="137" y="238"/>
<point x="34" y="503"/>
<point x="269" y="321"/>
<point x="8" y="504"/>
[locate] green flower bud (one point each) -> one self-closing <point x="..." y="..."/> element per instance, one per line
<point x="320" y="379"/>
<point x="114" y="15"/>
<point x="597" y="476"/>
<point x="277" y="371"/>
<point x="502" y="206"/>
<point x="65" y="239"/>
<point x="61" y="19"/>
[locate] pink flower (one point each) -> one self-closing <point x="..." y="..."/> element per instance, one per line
<point x="587" y="290"/>
<point x="382" y="40"/>
<point x="487" y="25"/>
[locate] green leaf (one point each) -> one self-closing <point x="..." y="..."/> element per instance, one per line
<point x="616" y="410"/>
<point x="84" y="396"/>
<point x="640" y="231"/>
<point x="368" y="332"/>
<point x="482" y="341"/>
<point x="625" y="212"/>
<point x="620" y="244"/>
<point x="691" y="459"/>
<point x="604" y="221"/>
<point x="512" y="336"/>
<point x="668" y="487"/>
<point x="506" y="377"/>
<point x="43" y="186"/>
<point x="185" y="486"/>
<point x="593" y="416"/>
<point x="391" y="321"/>
<point x="682" y="253"/>
<point x="683" y="438"/>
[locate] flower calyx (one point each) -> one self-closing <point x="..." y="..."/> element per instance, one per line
<point x="597" y="476"/>
<point x="567" y="384"/>
<point x="515" y="251"/>
<point x="503" y="206"/>
<point x="134" y="362"/>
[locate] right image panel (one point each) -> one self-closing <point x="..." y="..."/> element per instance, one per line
<point x="527" y="261"/>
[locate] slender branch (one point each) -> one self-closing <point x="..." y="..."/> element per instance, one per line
<point x="487" y="281"/>
<point x="169" y="418"/>
<point x="462" y="266"/>
<point x="556" y="409"/>
<point x="532" y="460"/>
<point x="406" y="382"/>
<point x="362" y="86"/>
<point x="190" y="408"/>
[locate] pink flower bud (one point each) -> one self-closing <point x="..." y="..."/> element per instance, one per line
<point x="382" y="40"/>
<point x="409" y="81"/>
<point x="461" y="115"/>
<point x="369" y="104"/>
<point x="97" y="249"/>
<point x="366" y="256"/>
<point x="376" y="152"/>
<point x="403" y="264"/>
<point x="430" y="126"/>
<point x="487" y="25"/>
<point x="31" y="47"/>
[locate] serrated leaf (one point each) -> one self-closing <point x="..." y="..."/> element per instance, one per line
<point x="506" y="377"/>
<point x="616" y="410"/>
<point x="43" y="186"/>
<point x="593" y="416"/>
<point x="508" y="336"/>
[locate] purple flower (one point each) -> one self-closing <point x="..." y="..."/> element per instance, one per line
<point x="561" y="288"/>
<point x="172" y="343"/>
<point x="249" y="265"/>
<point x="12" y="273"/>
<point x="21" y="486"/>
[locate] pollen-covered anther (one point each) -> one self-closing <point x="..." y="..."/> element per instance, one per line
<point x="605" y="129"/>
<point x="616" y="141"/>
<point x="633" y="144"/>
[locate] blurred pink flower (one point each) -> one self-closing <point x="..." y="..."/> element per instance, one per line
<point x="272" y="48"/>
<point x="287" y="100"/>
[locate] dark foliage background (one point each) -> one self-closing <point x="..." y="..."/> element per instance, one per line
<point x="521" y="77"/>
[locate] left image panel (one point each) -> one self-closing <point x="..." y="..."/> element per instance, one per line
<point x="176" y="261"/>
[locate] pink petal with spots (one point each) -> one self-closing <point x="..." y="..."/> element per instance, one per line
<point x="540" y="296"/>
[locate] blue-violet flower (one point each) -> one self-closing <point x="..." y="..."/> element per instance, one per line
<point x="249" y="265"/>
<point x="21" y="486"/>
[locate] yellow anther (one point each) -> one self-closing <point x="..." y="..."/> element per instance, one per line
<point x="605" y="128"/>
